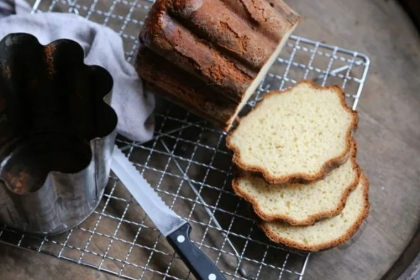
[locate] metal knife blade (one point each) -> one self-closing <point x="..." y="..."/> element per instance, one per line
<point x="162" y="216"/>
<point x="176" y="230"/>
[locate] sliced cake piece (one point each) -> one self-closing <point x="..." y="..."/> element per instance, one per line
<point x="209" y="56"/>
<point x="300" y="204"/>
<point x="326" y="233"/>
<point x="299" y="134"/>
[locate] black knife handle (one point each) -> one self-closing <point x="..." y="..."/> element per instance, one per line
<point x="198" y="263"/>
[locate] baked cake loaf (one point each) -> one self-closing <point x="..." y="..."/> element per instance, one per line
<point x="327" y="233"/>
<point x="209" y="56"/>
<point x="300" y="204"/>
<point x="296" y="135"/>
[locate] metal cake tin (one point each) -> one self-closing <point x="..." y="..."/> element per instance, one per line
<point x="57" y="132"/>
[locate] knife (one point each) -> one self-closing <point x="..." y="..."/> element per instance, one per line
<point x="173" y="227"/>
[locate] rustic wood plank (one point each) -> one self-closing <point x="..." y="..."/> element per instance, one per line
<point x="19" y="264"/>
<point x="388" y="134"/>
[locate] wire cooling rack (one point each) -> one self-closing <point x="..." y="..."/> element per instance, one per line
<point x="189" y="165"/>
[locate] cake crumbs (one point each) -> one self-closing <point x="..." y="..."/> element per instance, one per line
<point x="49" y="51"/>
<point x="20" y="183"/>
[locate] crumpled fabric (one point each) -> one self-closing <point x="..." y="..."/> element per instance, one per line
<point x="103" y="47"/>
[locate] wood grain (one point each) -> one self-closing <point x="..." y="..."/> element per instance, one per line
<point x="388" y="139"/>
<point x="22" y="264"/>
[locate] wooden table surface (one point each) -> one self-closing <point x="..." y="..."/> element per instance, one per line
<point x="388" y="137"/>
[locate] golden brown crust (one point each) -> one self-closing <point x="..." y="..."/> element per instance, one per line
<point x="171" y="79"/>
<point x="333" y="243"/>
<point x="300" y="177"/>
<point x="258" y="209"/>
<point x="216" y="49"/>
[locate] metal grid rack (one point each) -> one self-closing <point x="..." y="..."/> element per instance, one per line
<point x="189" y="165"/>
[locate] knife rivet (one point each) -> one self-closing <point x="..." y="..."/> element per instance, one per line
<point x="180" y="238"/>
<point x="212" y="277"/>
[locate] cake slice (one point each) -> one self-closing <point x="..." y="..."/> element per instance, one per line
<point x="327" y="233"/>
<point x="300" y="204"/>
<point x="299" y="134"/>
<point x="209" y="56"/>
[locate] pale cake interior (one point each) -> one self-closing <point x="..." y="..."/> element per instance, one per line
<point x="326" y="232"/>
<point x="299" y="204"/>
<point x="297" y="132"/>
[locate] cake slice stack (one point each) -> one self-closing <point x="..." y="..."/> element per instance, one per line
<point x="297" y="166"/>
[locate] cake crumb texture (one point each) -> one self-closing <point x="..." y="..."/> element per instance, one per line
<point x="300" y="204"/>
<point x="326" y="233"/>
<point x="297" y="134"/>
